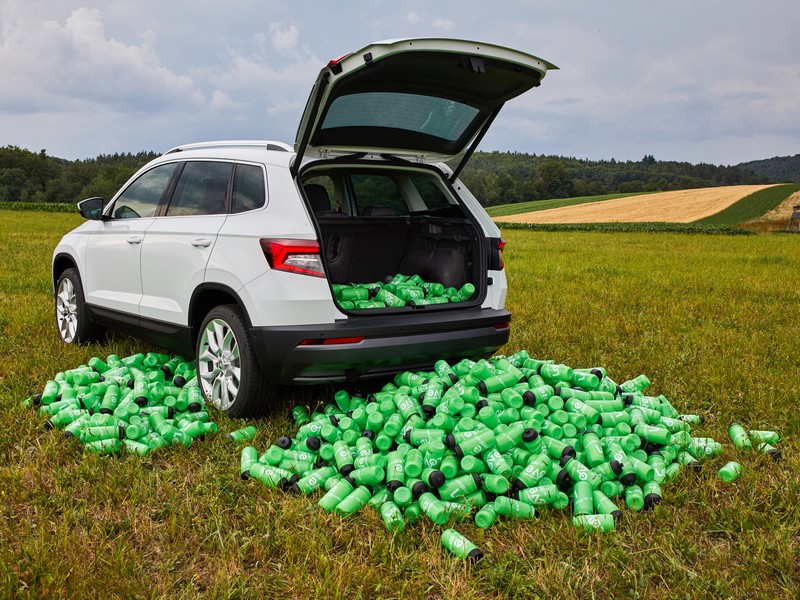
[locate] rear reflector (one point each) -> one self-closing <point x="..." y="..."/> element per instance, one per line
<point x="332" y="341"/>
<point x="500" y="246"/>
<point x="502" y="325"/>
<point x="294" y="256"/>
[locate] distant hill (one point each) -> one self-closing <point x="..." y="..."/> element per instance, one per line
<point x="779" y="169"/>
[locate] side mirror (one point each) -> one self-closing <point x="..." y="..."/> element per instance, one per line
<point x="92" y="208"/>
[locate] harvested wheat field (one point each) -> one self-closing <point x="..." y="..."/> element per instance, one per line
<point x="682" y="206"/>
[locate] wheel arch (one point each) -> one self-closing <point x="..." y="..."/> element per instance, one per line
<point x="206" y="297"/>
<point x="62" y="262"/>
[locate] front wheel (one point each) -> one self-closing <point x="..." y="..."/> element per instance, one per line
<point x="72" y="319"/>
<point x="227" y="367"/>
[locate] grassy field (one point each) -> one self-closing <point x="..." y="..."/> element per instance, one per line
<point x="752" y="206"/>
<point x="712" y="320"/>
<point x="536" y="205"/>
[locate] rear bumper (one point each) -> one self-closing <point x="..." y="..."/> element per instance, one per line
<point x="390" y="344"/>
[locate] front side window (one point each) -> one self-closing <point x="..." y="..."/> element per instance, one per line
<point x="202" y="189"/>
<point x="140" y="199"/>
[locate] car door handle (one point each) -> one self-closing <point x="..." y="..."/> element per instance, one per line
<point x="201" y="243"/>
<point x="136" y="239"/>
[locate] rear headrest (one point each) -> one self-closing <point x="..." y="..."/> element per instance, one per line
<point x="379" y="211"/>
<point x="317" y="197"/>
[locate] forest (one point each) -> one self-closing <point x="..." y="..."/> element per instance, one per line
<point x="493" y="177"/>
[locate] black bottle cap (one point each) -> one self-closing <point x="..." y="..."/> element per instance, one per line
<point x="480" y="404"/>
<point x="48" y="424"/>
<point x="334" y="421"/>
<point x="618" y="391"/>
<point x="569" y="451"/>
<point x="774" y="453"/>
<point x="563" y="480"/>
<point x="597" y="373"/>
<point x="482" y="387"/>
<point x="453" y="378"/>
<point x="347" y="469"/>
<point x="617" y="514"/>
<point x="361" y="395"/>
<point x="102" y="378"/>
<point x="194" y="407"/>
<point x="393" y="485"/>
<point x="628" y="399"/>
<point x="351" y="481"/>
<point x="170" y="412"/>
<point x="67" y="434"/>
<point x="557" y="390"/>
<point x="104" y="410"/>
<point x="628" y="478"/>
<point x="650" y="448"/>
<point x="294" y="489"/>
<point x="458" y="452"/>
<point x="518" y="486"/>
<point x="284" y="442"/>
<point x="490" y="496"/>
<point x="130" y="383"/>
<point x="651" y="500"/>
<point x="167" y="372"/>
<point x="477" y="479"/>
<point x="523" y="379"/>
<point x="436" y="479"/>
<point x="421" y="396"/>
<point x="429" y="411"/>
<point x="695" y="466"/>
<point x="407" y="436"/>
<point x="368" y="434"/>
<point x="313" y="443"/>
<point x="245" y="475"/>
<point x="529" y="435"/>
<point x="140" y="401"/>
<point x="475" y="555"/>
<point x="449" y="440"/>
<point x="418" y="489"/>
<point x="179" y="381"/>
<point x="529" y="398"/>
<point x="564" y="460"/>
<point x="600" y="419"/>
<point x="616" y="466"/>
<point x="371" y="398"/>
<point x="37" y="399"/>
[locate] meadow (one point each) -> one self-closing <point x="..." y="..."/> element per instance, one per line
<point x="713" y="321"/>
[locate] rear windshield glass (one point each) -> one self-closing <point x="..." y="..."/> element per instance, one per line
<point x="437" y="117"/>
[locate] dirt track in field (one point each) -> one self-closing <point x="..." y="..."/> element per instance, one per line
<point x="682" y="206"/>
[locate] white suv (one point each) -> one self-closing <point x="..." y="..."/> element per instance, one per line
<point x="233" y="252"/>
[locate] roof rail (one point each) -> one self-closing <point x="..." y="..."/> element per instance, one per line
<point x="266" y="144"/>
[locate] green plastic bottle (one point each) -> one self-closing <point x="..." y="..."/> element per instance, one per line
<point x="461" y="546"/>
<point x="730" y="471"/>
<point x="739" y="437"/>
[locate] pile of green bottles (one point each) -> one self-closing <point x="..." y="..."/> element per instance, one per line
<point x="137" y="404"/>
<point x="494" y="439"/>
<point x="400" y="290"/>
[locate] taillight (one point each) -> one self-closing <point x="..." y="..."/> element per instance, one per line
<point x="500" y="245"/>
<point x="294" y="256"/>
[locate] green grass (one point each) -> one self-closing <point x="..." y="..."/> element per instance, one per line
<point x="54" y="207"/>
<point x="712" y="320"/>
<point x="505" y="210"/>
<point x="654" y="227"/>
<point x="752" y="206"/>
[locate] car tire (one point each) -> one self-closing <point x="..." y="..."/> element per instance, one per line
<point x="73" y="323"/>
<point x="227" y="368"/>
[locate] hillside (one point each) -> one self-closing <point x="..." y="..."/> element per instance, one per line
<point x="778" y="169"/>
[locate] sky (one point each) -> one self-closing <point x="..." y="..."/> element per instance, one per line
<point x="711" y="81"/>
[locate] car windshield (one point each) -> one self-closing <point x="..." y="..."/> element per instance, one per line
<point x="437" y="117"/>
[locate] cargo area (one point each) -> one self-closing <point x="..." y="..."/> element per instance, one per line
<point x="375" y="224"/>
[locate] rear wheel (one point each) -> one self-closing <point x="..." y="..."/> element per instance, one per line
<point x="227" y="367"/>
<point x="72" y="319"/>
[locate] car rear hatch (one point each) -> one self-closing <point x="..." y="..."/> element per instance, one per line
<point x="375" y="124"/>
<point x="427" y="100"/>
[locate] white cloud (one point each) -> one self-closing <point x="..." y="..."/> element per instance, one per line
<point x="284" y="40"/>
<point x="412" y="18"/>
<point x="47" y="64"/>
<point x="443" y="24"/>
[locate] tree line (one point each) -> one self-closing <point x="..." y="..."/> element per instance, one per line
<point x="494" y="177"/>
<point x="27" y="176"/>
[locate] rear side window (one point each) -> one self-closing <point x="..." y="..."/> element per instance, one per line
<point x="201" y="189"/>
<point x="248" y="188"/>
<point x="377" y="195"/>
<point x="140" y="199"/>
<point x="431" y="194"/>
